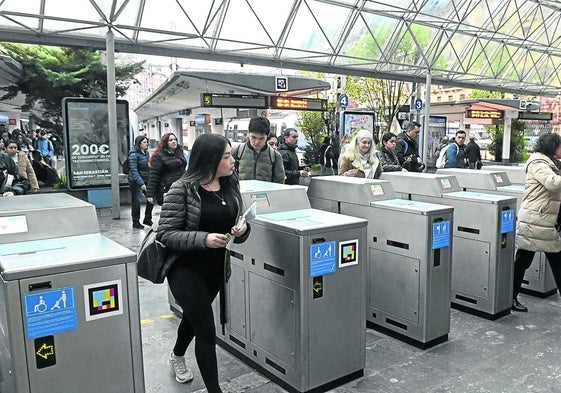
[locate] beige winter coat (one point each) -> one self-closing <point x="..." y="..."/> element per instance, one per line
<point x="535" y="229"/>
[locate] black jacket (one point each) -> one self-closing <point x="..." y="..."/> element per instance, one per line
<point x="178" y="227"/>
<point x="408" y="147"/>
<point x="290" y="162"/>
<point x="166" y="167"/>
<point x="389" y="161"/>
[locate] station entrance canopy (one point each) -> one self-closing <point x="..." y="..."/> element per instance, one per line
<point x="502" y="45"/>
<point x="184" y="89"/>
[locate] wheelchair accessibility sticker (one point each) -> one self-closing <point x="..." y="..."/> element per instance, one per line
<point x="322" y="258"/>
<point x="50" y="312"/>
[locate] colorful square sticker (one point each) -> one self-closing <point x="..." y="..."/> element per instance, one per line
<point x="103" y="300"/>
<point x="348" y="253"/>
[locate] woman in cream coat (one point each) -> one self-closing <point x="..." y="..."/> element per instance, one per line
<point x="360" y="158"/>
<point x="537" y="218"/>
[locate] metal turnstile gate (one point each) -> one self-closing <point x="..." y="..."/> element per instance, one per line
<point x="409" y="256"/>
<point x="69" y="312"/>
<point x="483" y="238"/>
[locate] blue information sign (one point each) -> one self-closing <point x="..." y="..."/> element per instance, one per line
<point x="440" y="234"/>
<point x="343" y="100"/>
<point x="507" y="221"/>
<point x="418" y="104"/>
<point x="50" y="312"/>
<point x="323" y="257"/>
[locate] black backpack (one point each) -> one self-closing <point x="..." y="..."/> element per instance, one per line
<point x="126" y="166"/>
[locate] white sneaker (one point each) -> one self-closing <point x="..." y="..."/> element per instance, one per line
<point x="177" y="364"/>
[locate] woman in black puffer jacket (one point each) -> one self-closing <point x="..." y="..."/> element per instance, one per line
<point x="167" y="164"/>
<point x="198" y="218"/>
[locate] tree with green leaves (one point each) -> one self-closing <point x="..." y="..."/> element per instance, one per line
<point x="312" y="125"/>
<point x="52" y="73"/>
<point x="517" y="141"/>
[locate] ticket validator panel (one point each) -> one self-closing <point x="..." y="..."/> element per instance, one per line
<point x="409" y="255"/>
<point x="483" y="240"/>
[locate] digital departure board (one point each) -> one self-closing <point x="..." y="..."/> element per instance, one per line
<point x="217" y="100"/>
<point x="299" y="104"/>
<point x="484" y="114"/>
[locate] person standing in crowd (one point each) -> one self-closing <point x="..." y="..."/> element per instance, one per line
<point x="473" y="154"/>
<point x="272" y="141"/>
<point x="46" y="175"/>
<point x="456" y="152"/>
<point x="198" y="212"/>
<point x="407" y="148"/>
<point x="360" y="158"/>
<point x="537" y="226"/>
<point x="290" y="160"/>
<point x="326" y="158"/>
<point x="167" y="164"/>
<point x="138" y="178"/>
<point x="389" y="160"/>
<point x="25" y="169"/>
<point x="445" y="141"/>
<point x="10" y="184"/>
<point x="45" y="147"/>
<point x="255" y="159"/>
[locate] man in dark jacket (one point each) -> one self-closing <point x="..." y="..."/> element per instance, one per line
<point x="407" y="148"/>
<point x="10" y="183"/>
<point x="473" y="154"/>
<point x="287" y="150"/>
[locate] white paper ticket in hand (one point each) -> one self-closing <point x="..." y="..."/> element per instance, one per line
<point x="249" y="214"/>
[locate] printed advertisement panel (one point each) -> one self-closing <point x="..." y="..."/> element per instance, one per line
<point x="86" y="127"/>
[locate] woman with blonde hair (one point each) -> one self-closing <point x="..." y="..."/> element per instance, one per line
<point x="360" y="158"/>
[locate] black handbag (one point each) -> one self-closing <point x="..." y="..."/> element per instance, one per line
<point x="153" y="259"/>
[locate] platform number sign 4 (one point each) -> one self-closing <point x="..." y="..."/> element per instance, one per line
<point x="343" y="100"/>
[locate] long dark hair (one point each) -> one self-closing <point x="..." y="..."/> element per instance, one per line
<point x="548" y="144"/>
<point x="206" y="154"/>
<point x="163" y="145"/>
<point x="137" y="141"/>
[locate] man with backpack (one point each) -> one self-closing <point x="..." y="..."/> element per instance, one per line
<point x="456" y="152"/>
<point x="407" y="148"/>
<point x="255" y="159"/>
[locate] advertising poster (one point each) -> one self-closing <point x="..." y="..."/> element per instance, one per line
<point x="86" y="126"/>
<point x="357" y="121"/>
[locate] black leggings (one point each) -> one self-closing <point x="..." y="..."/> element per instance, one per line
<point x="194" y="292"/>
<point x="523" y="261"/>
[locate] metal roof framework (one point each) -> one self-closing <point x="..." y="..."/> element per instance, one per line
<point x="503" y="45"/>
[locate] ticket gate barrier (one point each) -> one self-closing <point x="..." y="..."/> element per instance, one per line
<point x="408" y="272"/>
<point x="538" y="280"/>
<point x="515" y="173"/>
<point x="296" y="297"/>
<point x="483" y="240"/>
<point x="66" y="292"/>
<point x="487" y="181"/>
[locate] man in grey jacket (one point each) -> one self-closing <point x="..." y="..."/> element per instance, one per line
<point x="255" y="160"/>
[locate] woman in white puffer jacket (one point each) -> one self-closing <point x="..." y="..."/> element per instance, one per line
<point x="537" y="218"/>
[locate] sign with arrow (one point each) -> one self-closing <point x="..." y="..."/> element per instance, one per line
<point x="45" y="355"/>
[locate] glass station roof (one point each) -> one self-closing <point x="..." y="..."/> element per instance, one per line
<point x="505" y="45"/>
